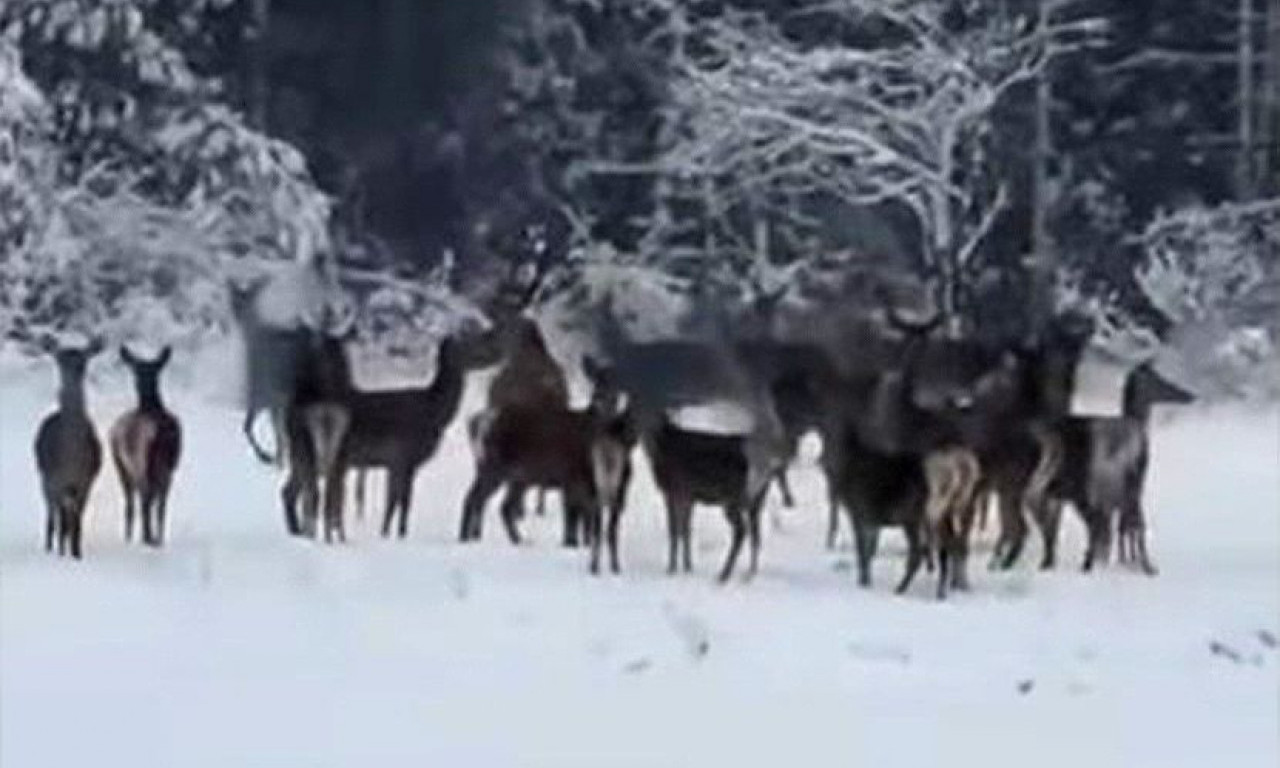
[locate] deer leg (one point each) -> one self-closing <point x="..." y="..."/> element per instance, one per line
<point x="573" y="523"/>
<point x="482" y="487"/>
<point x="866" y="538"/>
<point x="362" y="476"/>
<point x="541" y="508"/>
<point x="1048" y="516"/>
<point x="960" y="533"/>
<point x="944" y="570"/>
<point x="734" y="513"/>
<point x="50" y="523"/>
<point x="593" y="516"/>
<point x="753" y="529"/>
<point x="405" y="492"/>
<point x="126" y="490"/>
<point x="673" y="534"/>
<point x="1133" y="534"/>
<point x="162" y="508"/>
<point x="784" y="487"/>
<point x="833" y="516"/>
<point x="146" y="507"/>
<point x="1099" y="548"/>
<point x="391" y="501"/>
<point x="915" y="558"/>
<point x="289" y="500"/>
<point x="615" y="516"/>
<point x="512" y="511"/>
<point x="334" y="493"/>
<point x="1013" y="528"/>
<point x="686" y="535"/>
<point x="250" y="417"/>
<point x="73" y="513"/>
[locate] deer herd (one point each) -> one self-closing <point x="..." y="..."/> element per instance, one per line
<point x="920" y="431"/>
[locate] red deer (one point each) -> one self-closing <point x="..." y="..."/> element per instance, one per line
<point x="318" y="418"/>
<point x="659" y="376"/>
<point x="1100" y="467"/>
<point x="399" y="430"/>
<point x="529" y="378"/>
<point x="67" y="451"/>
<point x="582" y="453"/>
<point x="146" y="444"/>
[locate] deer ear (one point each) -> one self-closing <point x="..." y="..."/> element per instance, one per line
<point x="163" y="359"/>
<point x="96" y="345"/>
<point x="126" y="356"/>
<point x="47" y="344"/>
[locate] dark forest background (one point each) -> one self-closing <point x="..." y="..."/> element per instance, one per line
<point x="1130" y="165"/>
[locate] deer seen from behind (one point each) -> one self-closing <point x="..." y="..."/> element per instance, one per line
<point x="146" y="444"/>
<point x="67" y="451"/>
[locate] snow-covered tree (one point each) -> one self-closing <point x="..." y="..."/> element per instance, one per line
<point x="1215" y="274"/>
<point x="27" y="162"/>
<point x="156" y="188"/>
<point x="881" y="103"/>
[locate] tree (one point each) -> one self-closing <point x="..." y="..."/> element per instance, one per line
<point x="876" y="103"/>
<point x="155" y="186"/>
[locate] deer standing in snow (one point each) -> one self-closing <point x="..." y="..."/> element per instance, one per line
<point x="146" y="444"/>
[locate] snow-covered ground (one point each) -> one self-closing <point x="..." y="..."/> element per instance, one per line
<point x="236" y="646"/>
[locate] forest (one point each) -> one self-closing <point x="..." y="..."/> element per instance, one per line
<point x="1010" y="156"/>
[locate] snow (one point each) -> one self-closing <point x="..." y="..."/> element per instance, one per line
<point x="237" y="646"/>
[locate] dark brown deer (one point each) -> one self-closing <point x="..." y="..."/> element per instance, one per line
<point x="1000" y="397"/>
<point x="693" y="467"/>
<point x="68" y="453"/>
<point x="614" y="438"/>
<point x="529" y="378"/>
<point x="146" y="444"/>
<point x="895" y="465"/>
<point x="659" y="376"/>
<point x="399" y="430"/>
<point x="582" y="453"/>
<point x="319" y="418"/>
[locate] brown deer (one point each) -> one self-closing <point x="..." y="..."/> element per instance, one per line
<point x="146" y="444"/>
<point x="529" y="378"/>
<point x="1099" y="466"/>
<point x="319" y="417"/>
<point x="67" y="451"/>
<point x="399" y="430"/>
<point x="585" y="454"/>
<point x="664" y="375"/>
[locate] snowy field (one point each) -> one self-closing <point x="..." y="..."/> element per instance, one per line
<point x="236" y="646"/>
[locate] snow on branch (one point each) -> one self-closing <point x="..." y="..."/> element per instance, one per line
<point x="885" y="121"/>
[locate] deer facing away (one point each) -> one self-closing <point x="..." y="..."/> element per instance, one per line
<point x="146" y="444"/>
<point x="67" y="451"/>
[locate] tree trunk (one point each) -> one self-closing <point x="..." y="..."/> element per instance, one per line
<point x="1245" y="160"/>
<point x="259" y="86"/>
<point x="943" y="249"/>
<point x="1041" y="268"/>
<point x="1269" y="162"/>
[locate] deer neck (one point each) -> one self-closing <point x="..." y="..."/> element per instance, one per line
<point x="1136" y="409"/>
<point x="71" y="398"/>
<point x="450" y="379"/>
<point x="149" y="398"/>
